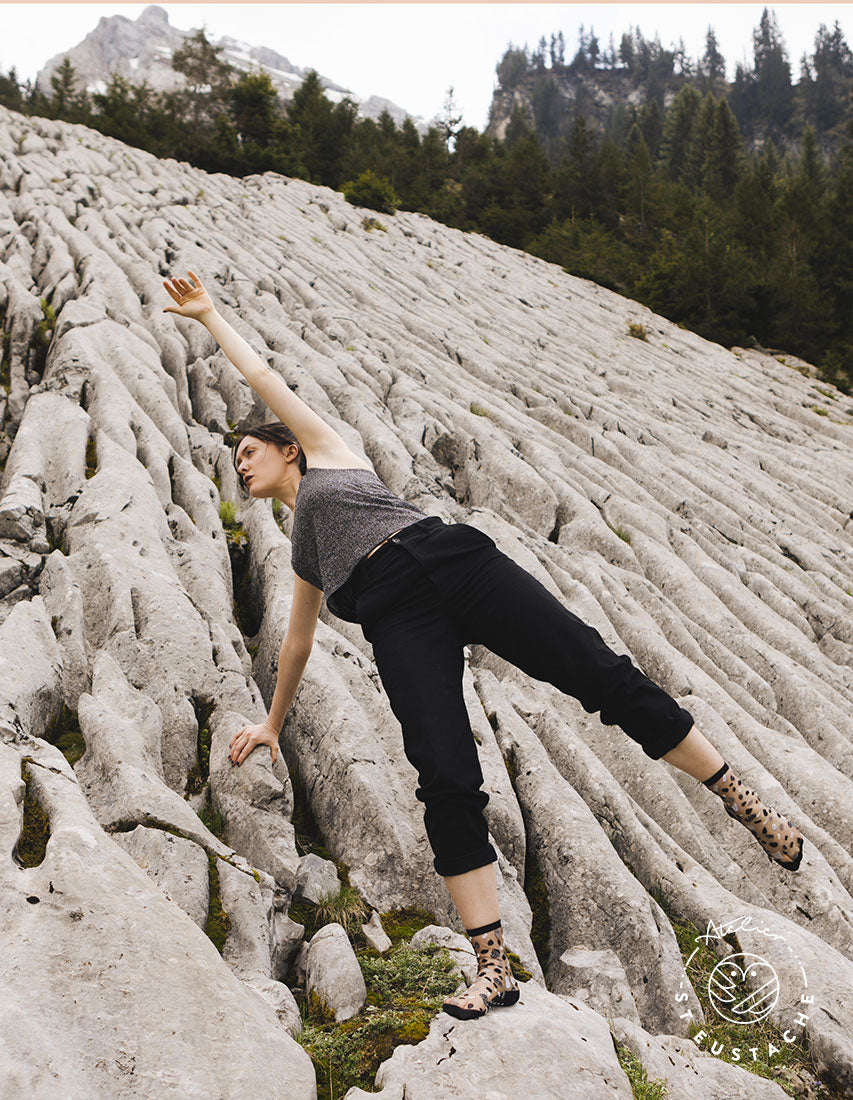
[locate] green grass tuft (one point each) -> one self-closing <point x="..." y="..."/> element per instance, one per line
<point x="635" y="1071"/>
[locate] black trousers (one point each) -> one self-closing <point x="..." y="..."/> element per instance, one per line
<point x="436" y="587"/>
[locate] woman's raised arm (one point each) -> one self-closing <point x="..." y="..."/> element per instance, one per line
<point x="193" y="301"/>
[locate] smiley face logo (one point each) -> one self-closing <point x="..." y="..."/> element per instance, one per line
<point x="743" y="988"/>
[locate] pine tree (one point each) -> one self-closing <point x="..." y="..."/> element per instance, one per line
<point x="834" y="264"/>
<point x="803" y="317"/>
<point x="576" y="184"/>
<point x="832" y="68"/>
<point x="226" y="154"/>
<point x="609" y="57"/>
<point x="713" y="65"/>
<point x="409" y="155"/>
<point x="63" y="82"/>
<point x="743" y="100"/>
<point x="610" y="175"/>
<point x="677" y="128"/>
<point x="697" y="145"/>
<point x="651" y="124"/>
<point x="772" y="74"/>
<point x="518" y="126"/>
<point x="812" y="170"/>
<point x="321" y="129"/>
<point x="626" y="51"/>
<point x="754" y="206"/>
<point x="511" y="68"/>
<point x="207" y="73"/>
<point x="472" y="148"/>
<point x="124" y="111"/>
<point x="450" y="119"/>
<point x="683" y="63"/>
<point x="580" y="63"/>
<point x="639" y="176"/>
<point x="703" y="277"/>
<point x="724" y="155"/>
<point x="593" y="49"/>
<point x="548" y="110"/>
<point x="434" y="163"/>
<point x="10" y="91"/>
<point x="540" y="55"/>
<point x="253" y="102"/>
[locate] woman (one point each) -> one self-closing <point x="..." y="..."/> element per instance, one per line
<point x="421" y="590"/>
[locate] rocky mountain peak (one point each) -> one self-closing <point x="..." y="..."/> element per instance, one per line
<point x="141" y="50"/>
<point x="153" y="16"/>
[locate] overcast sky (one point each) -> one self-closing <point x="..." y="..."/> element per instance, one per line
<point x="412" y="53"/>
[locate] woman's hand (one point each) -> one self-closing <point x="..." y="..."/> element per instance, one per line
<point x="193" y="301"/>
<point x="248" y="738"/>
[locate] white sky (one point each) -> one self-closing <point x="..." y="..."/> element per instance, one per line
<point x="412" y="53"/>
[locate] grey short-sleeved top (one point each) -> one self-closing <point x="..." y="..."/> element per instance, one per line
<point x="338" y="517"/>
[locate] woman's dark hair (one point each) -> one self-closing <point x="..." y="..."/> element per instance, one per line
<point x="277" y="433"/>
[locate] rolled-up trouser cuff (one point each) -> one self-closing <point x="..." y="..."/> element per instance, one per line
<point x="678" y="734"/>
<point x="458" y="865"/>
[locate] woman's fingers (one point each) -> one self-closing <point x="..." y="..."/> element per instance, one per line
<point x="246" y="739"/>
<point x="235" y="744"/>
<point x="178" y="287"/>
<point x="241" y="745"/>
<point x="177" y="293"/>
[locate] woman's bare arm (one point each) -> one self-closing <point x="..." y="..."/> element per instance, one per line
<point x="313" y="433"/>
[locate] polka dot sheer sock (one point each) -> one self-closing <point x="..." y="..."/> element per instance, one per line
<point x="780" y="838"/>
<point x="494" y="985"/>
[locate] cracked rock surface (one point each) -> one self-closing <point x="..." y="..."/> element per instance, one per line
<point x="692" y="503"/>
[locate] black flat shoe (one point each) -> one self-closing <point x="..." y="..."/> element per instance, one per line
<point x="794" y="864"/>
<point x="500" y="1000"/>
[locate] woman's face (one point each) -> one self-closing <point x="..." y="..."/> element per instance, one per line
<point x="261" y="465"/>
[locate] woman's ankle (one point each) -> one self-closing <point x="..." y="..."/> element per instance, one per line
<point x="490" y="927"/>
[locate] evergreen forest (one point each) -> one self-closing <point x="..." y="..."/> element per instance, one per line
<point x="725" y="206"/>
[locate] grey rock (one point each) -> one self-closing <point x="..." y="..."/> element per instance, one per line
<point x="11" y="574"/>
<point x="375" y="934"/>
<point x="316" y="878"/>
<point x="22" y="511"/>
<point x="63" y="601"/>
<point x="332" y="972"/>
<point x="457" y="946"/>
<point x="248" y="900"/>
<point x="89" y="909"/>
<point x="178" y="866"/>
<point x="49" y="448"/>
<point x="30" y="670"/>
<point x="689" y="1071"/>
<point x="17" y="595"/>
<point x="491" y="1057"/>
<point x="256" y="801"/>
<point x="286" y="939"/>
<point x="276" y="996"/>
<point x="598" y="979"/>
